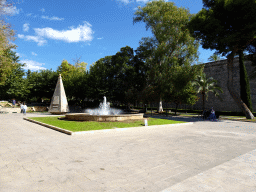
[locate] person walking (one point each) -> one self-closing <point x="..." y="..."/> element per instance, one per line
<point x="24" y="108"/>
<point x="21" y="107"/>
<point x="13" y="103"/>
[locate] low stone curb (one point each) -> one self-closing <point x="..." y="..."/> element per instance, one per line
<point x="103" y="130"/>
<point x="123" y="129"/>
<point x="239" y="120"/>
<point x="50" y="126"/>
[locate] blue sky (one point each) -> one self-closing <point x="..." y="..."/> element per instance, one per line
<point x="49" y="31"/>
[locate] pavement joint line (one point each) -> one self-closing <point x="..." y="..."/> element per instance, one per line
<point x="98" y="131"/>
<point x="205" y="174"/>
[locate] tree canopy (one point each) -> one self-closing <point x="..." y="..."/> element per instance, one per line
<point x="172" y="44"/>
<point x="226" y="26"/>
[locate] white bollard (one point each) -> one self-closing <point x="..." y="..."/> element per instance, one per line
<point x="146" y="122"/>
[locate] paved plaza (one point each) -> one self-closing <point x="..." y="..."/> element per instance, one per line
<point x="199" y="157"/>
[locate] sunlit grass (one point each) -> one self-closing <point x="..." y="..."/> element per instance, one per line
<point x="93" y="125"/>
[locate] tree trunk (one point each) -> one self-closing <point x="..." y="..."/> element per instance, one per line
<point x="231" y="90"/>
<point x="151" y="108"/>
<point x="176" y="107"/>
<point x="160" y="106"/>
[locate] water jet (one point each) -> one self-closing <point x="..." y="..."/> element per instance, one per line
<point x="103" y="113"/>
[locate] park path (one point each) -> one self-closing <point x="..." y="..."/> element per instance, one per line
<point x="203" y="156"/>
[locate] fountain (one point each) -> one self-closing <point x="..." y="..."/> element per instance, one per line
<point x="104" y="109"/>
<point x="103" y="113"/>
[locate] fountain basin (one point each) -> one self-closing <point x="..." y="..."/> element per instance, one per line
<point x="88" y="117"/>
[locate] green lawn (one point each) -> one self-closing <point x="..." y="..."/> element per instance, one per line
<point x="93" y="125"/>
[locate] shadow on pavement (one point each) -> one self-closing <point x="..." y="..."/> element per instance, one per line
<point x="186" y="119"/>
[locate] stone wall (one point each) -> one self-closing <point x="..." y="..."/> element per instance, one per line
<point x="218" y="70"/>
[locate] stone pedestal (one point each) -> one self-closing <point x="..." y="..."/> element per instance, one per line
<point x="59" y="103"/>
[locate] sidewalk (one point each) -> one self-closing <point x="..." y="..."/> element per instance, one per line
<point x="204" y="156"/>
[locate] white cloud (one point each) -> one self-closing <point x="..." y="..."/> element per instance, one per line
<point x="34" y="53"/>
<point x="39" y="40"/>
<point x="9" y="9"/>
<point x="125" y="1"/>
<point x="81" y="33"/>
<point x="32" y="65"/>
<point x="26" y="27"/>
<point x="100" y="38"/>
<point x="20" y="36"/>
<point x="43" y="10"/>
<point x="52" y="18"/>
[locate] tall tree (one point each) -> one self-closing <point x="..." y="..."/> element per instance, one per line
<point x="65" y="68"/>
<point x="121" y="73"/>
<point x="144" y="51"/>
<point x="182" y="91"/>
<point x="6" y="38"/>
<point x="99" y="79"/>
<point x="245" y="91"/>
<point x="15" y="85"/>
<point x="204" y="86"/>
<point x="6" y="63"/>
<point x="227" y="26"/>
<point x="175" y="46"/>
<point x="41" y="84"/>
<point x="74" y="79"/>
<point x="80" y="65"/>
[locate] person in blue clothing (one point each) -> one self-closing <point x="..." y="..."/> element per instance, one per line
<point x="212" y="115"/>
<point x="13" y="102"/>
<point x="24" y="108"/>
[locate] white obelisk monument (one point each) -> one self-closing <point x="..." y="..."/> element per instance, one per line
<point x="59" y="103"/>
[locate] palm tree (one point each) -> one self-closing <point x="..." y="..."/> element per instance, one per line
<point x="214" y="57"/>
<point x="205" y="86"/>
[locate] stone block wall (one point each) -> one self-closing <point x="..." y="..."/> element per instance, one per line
<point x="218" y="70"/>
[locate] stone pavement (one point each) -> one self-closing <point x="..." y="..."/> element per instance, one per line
<point x="203" y="156"/>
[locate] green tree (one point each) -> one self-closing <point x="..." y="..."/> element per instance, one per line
<point x="245" y="91"/>
<point x="41" y="84"/>
<point x="81" y="66"/>
<point x="99" y="79"/>
<point x="219" y="26"/>
<point x="76" y="85"/>
<point x="65" y="69"/>
<point x="6" y="38"/>
<point x="181" y="91"/>
<point x="74" y="80"/>
<point x="139" y="73"/>
<point x="204" y="86"/>
<point x="121" y="74"/>
<point x="175" y="46"/>
<point x="187" y="95"/>
<point x="6" y="63"/>
<point x="214" y="57"/>
<point x="15" y="85"/>
<point x="145" y="90"/>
